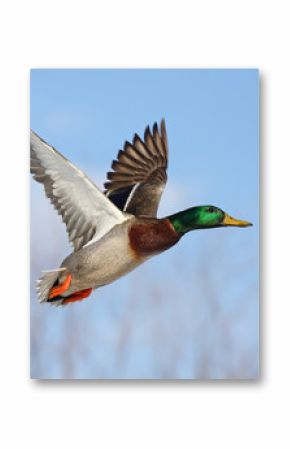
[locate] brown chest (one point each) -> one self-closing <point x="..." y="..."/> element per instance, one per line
<point x="152" y="237"/>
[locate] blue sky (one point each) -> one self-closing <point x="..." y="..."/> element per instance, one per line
<point x="212" y="119"/>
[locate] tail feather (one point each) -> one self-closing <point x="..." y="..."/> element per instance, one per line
<point x="46" y="282"/>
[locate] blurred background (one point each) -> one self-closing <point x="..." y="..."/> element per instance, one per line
<point x="193" y="311"/>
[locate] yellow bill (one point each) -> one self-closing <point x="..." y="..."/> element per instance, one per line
<point x="230" y="221"/>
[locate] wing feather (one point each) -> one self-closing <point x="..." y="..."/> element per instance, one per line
<point x="139" y="174"/>
<point x="85" y="210"/>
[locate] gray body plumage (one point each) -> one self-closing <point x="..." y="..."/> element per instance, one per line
<point x="102" y="262"/>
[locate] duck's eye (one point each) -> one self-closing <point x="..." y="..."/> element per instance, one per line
<point x="210" y="209"/>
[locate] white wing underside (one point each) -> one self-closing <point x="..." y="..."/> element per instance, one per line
<point x="85" y="210"/>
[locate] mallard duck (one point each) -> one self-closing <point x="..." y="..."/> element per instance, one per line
<point x="116" y="230"/>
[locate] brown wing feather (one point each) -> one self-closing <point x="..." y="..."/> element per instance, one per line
<point x="139" y="175"/>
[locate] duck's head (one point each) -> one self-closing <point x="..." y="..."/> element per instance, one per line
<point x="203" y="217"/>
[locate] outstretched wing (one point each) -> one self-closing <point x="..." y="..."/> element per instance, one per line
<point x="86" y="211"/>
<point x="139" y="176"/>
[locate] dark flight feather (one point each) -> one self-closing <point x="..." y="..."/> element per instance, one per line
<point x="139" y="174"/>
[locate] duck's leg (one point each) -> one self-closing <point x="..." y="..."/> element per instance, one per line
<point x="78" y="296"/>
<point x="60" y="288"/>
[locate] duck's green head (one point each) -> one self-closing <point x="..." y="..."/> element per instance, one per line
<point x="203" y="217"/>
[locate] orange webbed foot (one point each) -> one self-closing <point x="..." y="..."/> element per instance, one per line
<point x="61" y="288"/>
<point x="78" y="296"/>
